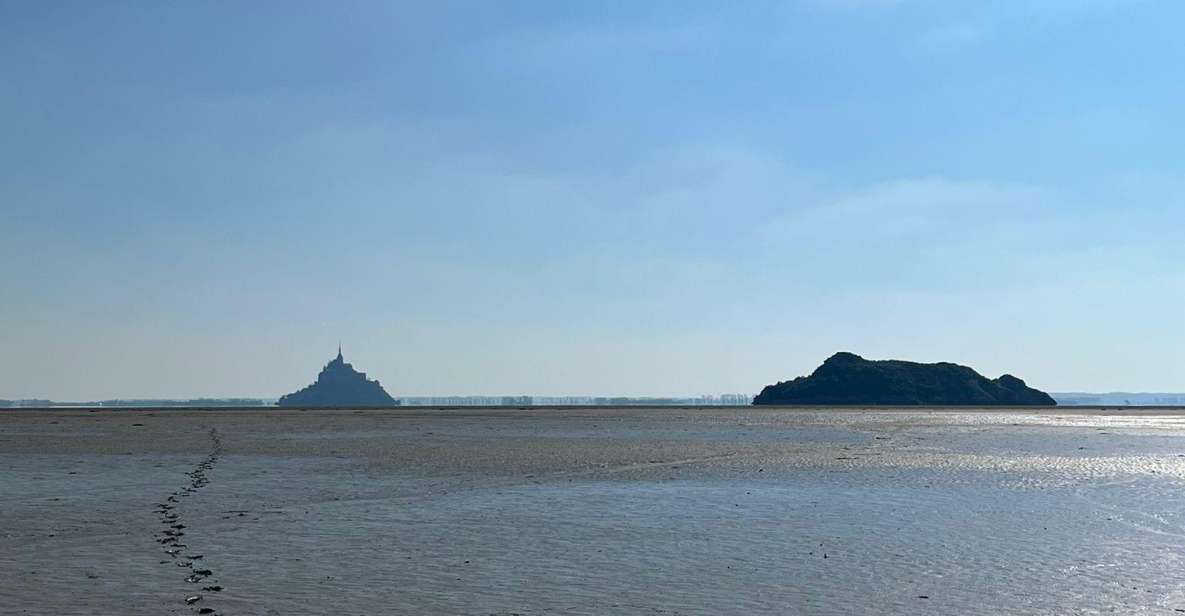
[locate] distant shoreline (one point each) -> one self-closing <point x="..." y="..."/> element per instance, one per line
<point x="495" y="409"/>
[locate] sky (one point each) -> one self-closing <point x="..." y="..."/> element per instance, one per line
<point x="574" y="198"/>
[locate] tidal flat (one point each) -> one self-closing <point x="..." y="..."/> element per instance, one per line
<point x="592" y="511"/>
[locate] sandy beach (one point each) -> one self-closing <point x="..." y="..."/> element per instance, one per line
<point x="593" y="511"/>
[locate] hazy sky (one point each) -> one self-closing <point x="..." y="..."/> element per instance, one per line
<point x="647" y="198"/>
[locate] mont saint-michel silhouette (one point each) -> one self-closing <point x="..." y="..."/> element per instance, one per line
<point x="339" y="385"/>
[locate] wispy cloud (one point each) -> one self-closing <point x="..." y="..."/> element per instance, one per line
<point x="859" y="4"/>
<point x="955" y="35"/>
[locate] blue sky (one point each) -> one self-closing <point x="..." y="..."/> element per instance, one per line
<point x="575" y="198"/>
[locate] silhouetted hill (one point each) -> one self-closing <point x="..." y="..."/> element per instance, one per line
<point x="339" y="384"/>
<point x="846" y="378"/>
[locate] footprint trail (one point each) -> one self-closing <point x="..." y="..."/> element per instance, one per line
<point x="171" y="537"/>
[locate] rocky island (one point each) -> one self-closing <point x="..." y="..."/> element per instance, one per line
<point x="339" y="384"/>
<point x="847" y="378"/>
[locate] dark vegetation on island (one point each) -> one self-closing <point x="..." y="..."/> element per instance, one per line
<point x="848" y="379"/>
<point x="339" y="385"/>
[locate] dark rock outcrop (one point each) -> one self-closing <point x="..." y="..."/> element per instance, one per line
<point x="846" y="378"/>
<point x="339" y="384"/>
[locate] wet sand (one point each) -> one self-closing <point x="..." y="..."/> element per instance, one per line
<point x="592" y="511"/>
